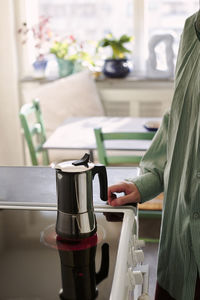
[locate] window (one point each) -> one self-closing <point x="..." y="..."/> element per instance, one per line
<point x="89" y="19"/>
<point x="168" y="16"/>
<point x="92" y="19"/>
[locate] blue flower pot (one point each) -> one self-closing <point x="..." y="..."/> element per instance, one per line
<point x="40" y="65"/>
<point x="116" y="68"/>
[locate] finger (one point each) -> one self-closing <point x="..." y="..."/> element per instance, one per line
<point x="122" y="200"/>
<point x="116" y="188"/>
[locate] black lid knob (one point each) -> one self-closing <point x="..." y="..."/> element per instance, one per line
<point x="83" y="161"/>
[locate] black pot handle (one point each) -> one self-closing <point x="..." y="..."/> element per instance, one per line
<point x="101" y="171"/>
<point x="104" y="268"/>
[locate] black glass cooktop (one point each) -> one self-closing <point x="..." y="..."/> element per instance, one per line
<point x="30" y="262"/>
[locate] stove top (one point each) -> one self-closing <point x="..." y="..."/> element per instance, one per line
<point x="30" y="262"/>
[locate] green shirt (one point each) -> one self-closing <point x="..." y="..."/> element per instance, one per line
<point x="172" y="165"/>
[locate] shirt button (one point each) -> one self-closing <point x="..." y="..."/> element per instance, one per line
<point x="196" y="215"/>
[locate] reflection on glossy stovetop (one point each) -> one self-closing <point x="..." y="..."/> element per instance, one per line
<point x="31" y="269"/>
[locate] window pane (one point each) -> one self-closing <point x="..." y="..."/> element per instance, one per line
<point x="89" y="19"/>
<point x="165" y="16"/>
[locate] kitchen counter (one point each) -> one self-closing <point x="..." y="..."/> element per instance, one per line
<point x="32" y="266"/>
<point x="35" y="187"/>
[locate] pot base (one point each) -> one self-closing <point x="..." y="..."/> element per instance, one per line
<point x="75" y="226"/>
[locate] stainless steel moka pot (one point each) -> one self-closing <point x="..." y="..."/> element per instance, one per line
<point x="74" y="184"/>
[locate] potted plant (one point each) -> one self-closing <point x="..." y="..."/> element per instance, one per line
<point x="116" y="66"/>
<point x="40" y="35"/>
<point x="71" y="56"/>
<point x="62" y="51"/>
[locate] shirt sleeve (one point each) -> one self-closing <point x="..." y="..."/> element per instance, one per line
<point x="150" y="183"/>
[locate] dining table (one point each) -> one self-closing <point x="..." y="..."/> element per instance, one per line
<point x="77" y="133"/>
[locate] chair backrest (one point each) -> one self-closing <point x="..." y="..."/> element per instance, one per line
<point x="107" y="159"/>
<point x="34" y="131"/>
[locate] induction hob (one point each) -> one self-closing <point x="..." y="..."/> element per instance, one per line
<point x="30" y="266"/>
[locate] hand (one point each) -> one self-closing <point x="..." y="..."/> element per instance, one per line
<point x="132" y="194"/>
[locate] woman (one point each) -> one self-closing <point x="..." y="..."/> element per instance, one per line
<point x="172" y="165"/>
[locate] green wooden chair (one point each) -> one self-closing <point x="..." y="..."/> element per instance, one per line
<point x="109" y="160"/>
<point x="34" y="131"/>
<point x="117" y="160"/>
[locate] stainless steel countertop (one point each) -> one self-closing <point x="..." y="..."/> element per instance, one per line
<point x="35" y="187"/>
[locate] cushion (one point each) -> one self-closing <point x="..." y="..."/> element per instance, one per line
<point x="72" y="96"/>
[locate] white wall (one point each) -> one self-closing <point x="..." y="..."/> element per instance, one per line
<point x="11" y="152"/>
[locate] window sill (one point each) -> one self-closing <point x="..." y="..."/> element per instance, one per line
<point x="129" y="82"/>
<point x="133" y="82"/>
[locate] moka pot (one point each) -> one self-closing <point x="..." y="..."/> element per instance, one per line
<point x="74" y="184"/>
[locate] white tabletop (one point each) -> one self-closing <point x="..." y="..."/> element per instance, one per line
<point x="77" y="133"/>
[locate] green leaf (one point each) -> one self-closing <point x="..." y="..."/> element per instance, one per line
<point x="124" y="39"/>
<point x="116" y="44"/>
<point x="104" y="43"/>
